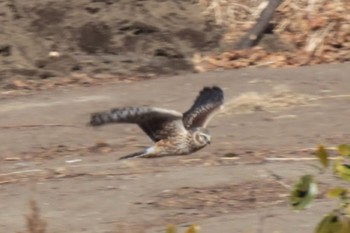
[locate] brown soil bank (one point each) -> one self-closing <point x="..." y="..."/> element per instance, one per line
<point x="42" y="39"/>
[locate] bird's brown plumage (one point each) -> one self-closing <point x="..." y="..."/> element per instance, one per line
<point x="173" y="132"/>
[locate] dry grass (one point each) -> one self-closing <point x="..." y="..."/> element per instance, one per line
<point x="278" y="99"/>
<point x="307" y="32"/>
<point x="34" y="221"/>
<point x="233" y="12"/>
<point x="128" y="228"/>
<point x="224" y="199"/>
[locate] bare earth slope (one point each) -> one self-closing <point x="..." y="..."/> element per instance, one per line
<point x="101" y="36"/>
<point x="81" y="187"/>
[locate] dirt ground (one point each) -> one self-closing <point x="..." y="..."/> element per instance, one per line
<point x="49" y="154"/>
<point x="44" y="39"/>
<point x="273" y="119"/>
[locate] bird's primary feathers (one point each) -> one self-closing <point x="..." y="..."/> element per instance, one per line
<point x="174" y="133"/>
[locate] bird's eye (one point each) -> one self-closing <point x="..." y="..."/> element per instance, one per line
<point x="204" y="138"/>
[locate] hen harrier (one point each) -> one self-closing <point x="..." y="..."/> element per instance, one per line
<point x="174" y="133"/>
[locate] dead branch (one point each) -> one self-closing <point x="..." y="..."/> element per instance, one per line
<point x="253" y="36"/>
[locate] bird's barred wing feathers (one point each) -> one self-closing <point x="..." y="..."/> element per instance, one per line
<point x="207" y="103"/>
<point x="157" y="123"/>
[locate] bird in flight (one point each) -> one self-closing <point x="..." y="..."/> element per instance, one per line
<point x="172" y="132"/>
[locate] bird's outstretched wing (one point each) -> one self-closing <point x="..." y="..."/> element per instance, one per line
<point x="209" y="100"/>
<point x="157" y="123"/>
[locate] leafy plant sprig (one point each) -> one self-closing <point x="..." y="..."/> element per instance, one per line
<point x="304" y="191"/>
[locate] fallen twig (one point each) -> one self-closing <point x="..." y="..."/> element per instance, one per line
<point x="22" y="172"/>
<point x="295" y="159"/>
<point x="36" y="126"/>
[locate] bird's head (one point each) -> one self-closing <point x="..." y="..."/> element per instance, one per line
<point x="202" y="136"/>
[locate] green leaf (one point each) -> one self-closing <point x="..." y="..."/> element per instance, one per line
<point x="193" y="229"/>
<point x="334" y="223"/>
<point x="303" y="193"/>
<point x="342" y="170"/>
<point x="337" y="192"/>
<point x="322" y="155"/>
<point x="346" y="225"/>
<point x="171" y="229"/>
<point x="344" y="149"/>
<point x="347" y="209"/>
<point x="329" y="224"/>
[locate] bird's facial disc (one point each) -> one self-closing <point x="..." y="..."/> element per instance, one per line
<point x="203" y="138"/>
<point x="207" y="138"/>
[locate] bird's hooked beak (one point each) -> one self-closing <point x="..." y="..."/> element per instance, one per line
<point x="209" y="140"/>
